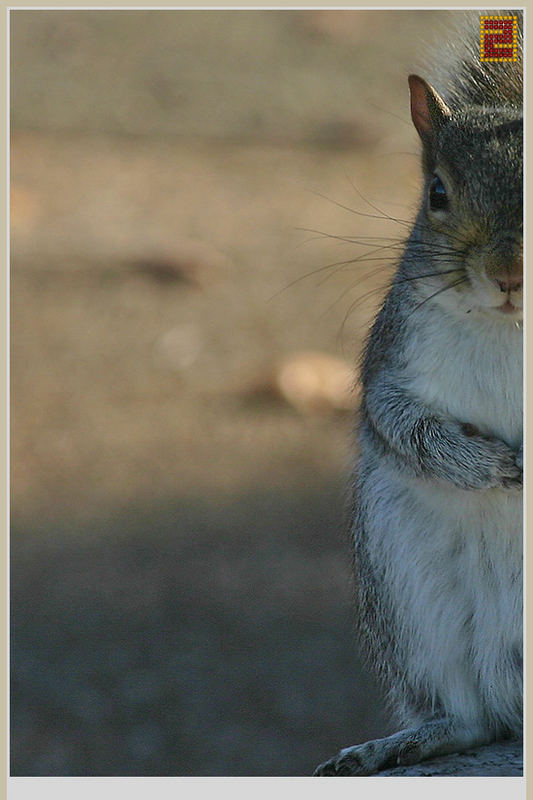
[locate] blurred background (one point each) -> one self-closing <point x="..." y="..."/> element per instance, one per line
<point x="191" y="191"/>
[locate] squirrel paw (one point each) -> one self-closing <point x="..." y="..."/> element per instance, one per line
<point x="437" y="737"/>
<point x="487" y="463"/>
<point x="516" y="479"/>
<point x="362" y="759"/>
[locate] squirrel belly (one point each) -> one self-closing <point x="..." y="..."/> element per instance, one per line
<point x="441" y="587"/>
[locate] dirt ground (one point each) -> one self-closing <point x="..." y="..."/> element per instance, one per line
<point x="181" y="587"/>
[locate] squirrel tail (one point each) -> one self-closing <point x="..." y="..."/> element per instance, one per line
<point x="463" y="79"/>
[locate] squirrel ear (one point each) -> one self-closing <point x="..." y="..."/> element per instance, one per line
<point x="428" y="109"/>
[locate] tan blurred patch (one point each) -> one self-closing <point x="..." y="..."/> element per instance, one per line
<point x="311" y="382"/>
<point x="316" y="383"/>
<point x="348" y="25"/>
<point x="24" y="208"/>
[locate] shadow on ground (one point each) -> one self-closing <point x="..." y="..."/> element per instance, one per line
<point x="189" y="639"/>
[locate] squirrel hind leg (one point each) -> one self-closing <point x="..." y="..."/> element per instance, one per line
<point x="436" y="738"/>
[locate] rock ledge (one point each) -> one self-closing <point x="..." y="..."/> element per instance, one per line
<point x="503" y="759"/>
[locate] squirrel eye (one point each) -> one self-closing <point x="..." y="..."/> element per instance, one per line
<point x="438" y="199"/>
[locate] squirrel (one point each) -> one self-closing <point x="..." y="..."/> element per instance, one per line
<point x="437" y="503"/>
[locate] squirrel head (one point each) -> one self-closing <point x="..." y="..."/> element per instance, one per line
<point x="471" y="220"/>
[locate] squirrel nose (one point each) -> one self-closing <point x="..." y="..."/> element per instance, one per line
<point x="510" y="283"/>
<point x="509" y="278"/>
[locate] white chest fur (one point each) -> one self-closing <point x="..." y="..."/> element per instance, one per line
<point x="471" y="369"/>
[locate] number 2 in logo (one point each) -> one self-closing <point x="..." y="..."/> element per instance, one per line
<point x="498" y="38"/>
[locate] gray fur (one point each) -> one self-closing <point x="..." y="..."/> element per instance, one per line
<point x="459" y="75"/>
<point x="437" y="500"/>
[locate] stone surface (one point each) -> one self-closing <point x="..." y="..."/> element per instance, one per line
<point x="502" y="759"/>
